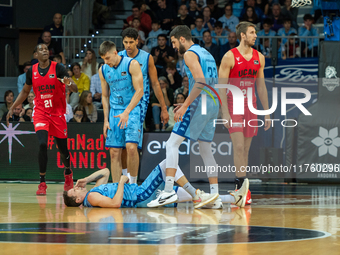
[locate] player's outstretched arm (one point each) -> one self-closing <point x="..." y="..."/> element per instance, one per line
<point x="226" y="64"/>
<point x="157" y="90"/>
<point x="105" y="102"/>
<point x="97" y="199"/>
<point x="262" y="91"/>
<point x="20" y="99"/>
<point x="100" y="177"/>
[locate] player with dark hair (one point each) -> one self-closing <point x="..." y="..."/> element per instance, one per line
<point x="242" y="67"/>
<point x="147" y="65"/>
<point x="122" y="108"/>
<point x="48" y="80"/>
<point x="201" y="70"/>
<point x="120" y="194"/>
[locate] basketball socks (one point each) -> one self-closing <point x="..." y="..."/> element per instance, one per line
<point x="227" y="199"/>
<point x="169" y="183"/>
<point x="124" y="171"/>
<point x="239" y="182"/>
<point x="133" y="179"/>
<point x="67" y="171"/>
<point x="213" y="188"/>
<point x="190" y="189"/>
<point x="42" y="178"/>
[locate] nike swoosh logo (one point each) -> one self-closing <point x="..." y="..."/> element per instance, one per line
<point x="239" y="62"/>
<point x="239" y="199"/>
<point x="162" y="200"/>
<point x="198" y="201"/>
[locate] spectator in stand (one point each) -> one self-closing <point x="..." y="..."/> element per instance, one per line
<point x="208" y="21"/>
<point x="185" y="87"/>
<point x="276" y="17"/>
<point x="8" y="99"/>
<point x="56" y="28"/>
<point x="72" y="98"/>
<point x="144" y="8"/>
<point x="291" y="49"/>
<point x="53" y="47"/>
<point x="141" y="34"/>
<point x="89" y="65"/>
<point x="183" y="16"/>
<point x="91" y="110"/>
<point x="29" y="114"/>
<point x="174" y="78"/>
<point x="193" y="10"/>
<point x="290" y="13"/>
<point x="180" y="65"/>
<point x="34" y="60"/>
<point x="263" y="5"/>
<point x="266" y="31"/>
<point x="101" y="12"/>
<point x="197" y="32"/>
<point x="259" y="13"/>
<point x="266" y="49"/>
<point x="180" y="98"/>
<point x="211" y="47"/>
<point x="22" y="77"/>
<point x="215" y="11"/>
<point x="232" y="43"/>
<point x="168" y="94"/>
<point x="69" y="112"/>
<point x="286" y="30"/>
<point x="309" y="47"/>
<point x="96" y="89"/>
<point x="162" y="54"/>
<point x="57" y="58"/>
<point x="251" y="16"/>
<point x="18" y="115"/>
<point x="81" y="79"/>
<point x="79" y="115"/>
<point x="145" y="19"/>
<point x="317" y="10"/>
<point x="166" y="14"/>
<point x="30" y="100"/>
<point x="228" y="20"/>
<point x="238" y="6"/>
<point x="156" y="31"/>
<point x="219" y="31"/>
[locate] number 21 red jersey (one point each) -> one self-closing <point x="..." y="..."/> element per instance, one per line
<point x="243" y="74"/>
<point x="49" y="92"/>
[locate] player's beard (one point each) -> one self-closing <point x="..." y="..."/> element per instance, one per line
<point x="249" y="42"/>
<point x="181" y="49"/>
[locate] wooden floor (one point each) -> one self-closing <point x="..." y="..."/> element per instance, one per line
<point x="278" y="222"/>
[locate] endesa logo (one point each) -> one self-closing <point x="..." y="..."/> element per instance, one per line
<point x="223" y="148"/>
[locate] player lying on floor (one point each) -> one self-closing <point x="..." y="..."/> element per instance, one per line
<point x="121" y="194"/>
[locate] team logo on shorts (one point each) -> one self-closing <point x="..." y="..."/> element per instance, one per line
<point x="256" y="62"/>
<point x="40" y="125"/>
<point x="123" y="73"/>
<point x="52" y="76"/>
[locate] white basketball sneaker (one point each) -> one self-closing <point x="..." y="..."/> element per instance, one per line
<point x="202" y="198"/>
<point x="241" y="194"/>
<point x="217" y="204"/>
<point x="163" y="198"/>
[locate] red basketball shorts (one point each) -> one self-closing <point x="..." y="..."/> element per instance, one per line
<point x="54" y="125"/>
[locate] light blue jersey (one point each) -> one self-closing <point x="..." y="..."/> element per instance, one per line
<point x="122" y="91"/>
<point x="196" y="125"/>
<point x="142" y="58"/>
<point x="136" y="196"/>
<point x="120" y="82"/>
<point x="208" y="65"/>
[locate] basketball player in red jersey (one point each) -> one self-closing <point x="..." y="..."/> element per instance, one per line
<point x="48" y="80"/>
<point x="242" y="67"/>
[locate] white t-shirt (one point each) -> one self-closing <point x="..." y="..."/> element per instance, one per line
<point x="88" y="70"/>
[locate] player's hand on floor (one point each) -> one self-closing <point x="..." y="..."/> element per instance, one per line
<point x="81" y="183"/>
<point x="105" y="128"/>
<point x="124" y="117"/>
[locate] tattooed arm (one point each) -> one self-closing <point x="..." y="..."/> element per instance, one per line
<point x="100" y="177"/>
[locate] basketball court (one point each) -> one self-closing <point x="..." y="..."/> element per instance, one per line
<point x="283" y="219"/>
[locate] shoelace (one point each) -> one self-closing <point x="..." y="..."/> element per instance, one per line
<point x="158" y="193"/>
